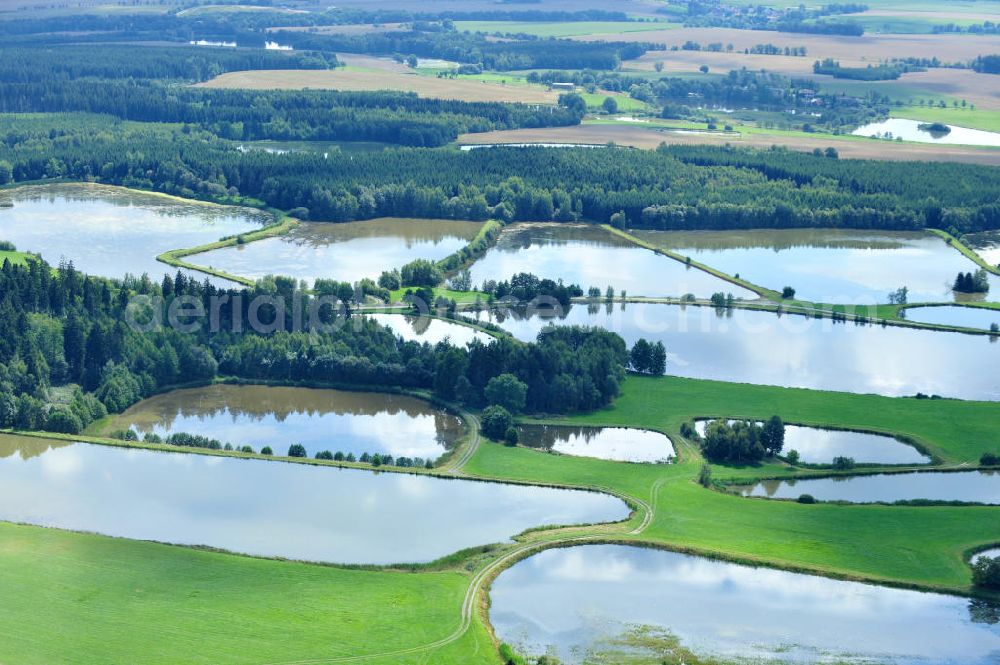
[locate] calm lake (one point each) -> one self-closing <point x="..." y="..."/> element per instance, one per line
<point x="610" y="603"/>
<point x="345" y="252"/>
<point x="831" y="266"/>
<point x="591" y="256"/>
<point x="744" y="346"/>
<point x="279" y="416"/>
<point x="955" y="315"/>
<point x="278" y="509"/>
<point x="430" y="330"/>
<point x="820" y="446"/>
<point x="909" y="130"/>
<point x="112" y="231"/>
<point x="968" y="486"/>
<point x="620" y="444"/>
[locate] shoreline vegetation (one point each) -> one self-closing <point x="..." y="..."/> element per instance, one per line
<point x="770" y="300"/>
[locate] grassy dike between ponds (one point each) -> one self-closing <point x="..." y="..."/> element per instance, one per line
<point x="156" y="603"/>
<point x="175" y="257"/>
<point x="967" y="251"/>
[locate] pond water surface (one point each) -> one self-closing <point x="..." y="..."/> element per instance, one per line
<point x="831" y="266"/>
<point x="588" y="255"/>
<point x="967" y="486"/>
<point x="111" y="231"/>
<point x="954" y="315"/>
<point x="620" y="444"/>
<point x="584" y="603"/>
<point x="430" y="330"/>
<point x="819" y="446"/>
<point x="909" y="130"/>
<point x="318" y="419"/>
<point x="345" y="252"/>
<point x="278" y="509"/>
<point x="744" y="346"/>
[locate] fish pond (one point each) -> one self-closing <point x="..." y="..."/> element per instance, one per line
<point x="342" y="251"/>
<point x="819" y="446"/>
<point x="276" y="509"/>
<point x="965" y="486"/>
<point x="589" y="256"/>
<point x="744" y="346"/>
<point x="111" y="231"/>
<point x="955" y="315"/>
<point x="830" y="266"/>
<point x="617" y="604"/>
<point x="429" y="329"/>
<point x="923" y="132"/>
<point x="620" y="444"/>
<point x="318" y="419"/>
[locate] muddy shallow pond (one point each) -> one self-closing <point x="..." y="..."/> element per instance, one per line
<point x="620" y="444"/>
<point x="345" y="252"/>
<point x="610" y="603"/>
<point x="819" y="446"/>
<point x="831" y="266"/>
<point x="589" y="256"/>
<point x="112" y="231"/>
<point x="968" y="486"/>
<point x="278" y="509"/>
<point x="955" y="315"/>
<point x="319" y="419"/>
<point x="744" y="346"/>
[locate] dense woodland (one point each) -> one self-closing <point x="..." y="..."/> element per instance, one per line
<point x="105" y="79"/>
<point x="71" y="329"/>
<point x="423" y="39"/>
<point x="672" y="187"/>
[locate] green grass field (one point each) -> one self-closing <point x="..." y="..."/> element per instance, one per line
<point x="921" y="546"/>
<point x="562" y="29"/>
<point x="962" y="117"/>
<point x="14" y="257"/>
<point x="98" y="599"/>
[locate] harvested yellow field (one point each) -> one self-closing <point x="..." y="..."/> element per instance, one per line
<point x="690" y="61"/>
<point x="372" y="79"/>
<point x="347" y="29"/>
<point x="983" y="90"/>
<point x="868" y="48"/>
<point x="641" y="137"/>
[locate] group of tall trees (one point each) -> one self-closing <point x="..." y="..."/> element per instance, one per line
<point x="742" y="442"/>
<point x="66" y="328"/>
<point x="108" y="79"/>
<point x="673" y="187"/>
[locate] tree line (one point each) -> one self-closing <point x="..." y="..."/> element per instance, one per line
<point x="67" y="328"/>
<point x="672" y="187"/>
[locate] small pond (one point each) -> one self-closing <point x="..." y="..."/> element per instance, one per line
<point x="345" y="252"/>
<point x="620" y="444"/>
<point x="277" y="509"/>
<point x="909" y="130"/>
<point x="589" y="256"/>
<point x="831" y="266"/>
<point x="618" y="604"/>
<point x="318" y="419"/>
<point x="111" y="231"/>
<point x="819" y="446"/>
<point x="967" y="486"/>
<point x="429" y="329"/>
<point x="955" y="315"/>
